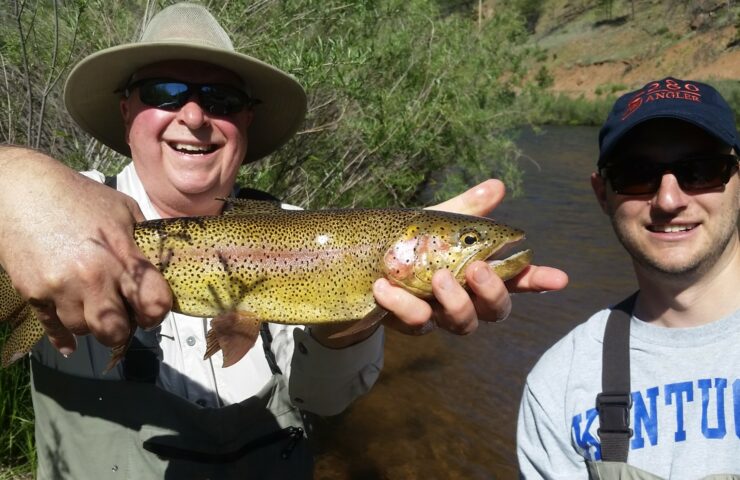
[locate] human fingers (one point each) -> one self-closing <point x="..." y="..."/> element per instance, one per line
<point x="407" y="313"/>
<point x="490" y="296"/>
<point x="455" y="311"/>
<point x="59" y="336"/>
<point x="105" y="314"/>
<point x="479" y="200"/>
<point x="142" y="286"/>
<point x="146" y="291"/>
<point x="537" y="278"/>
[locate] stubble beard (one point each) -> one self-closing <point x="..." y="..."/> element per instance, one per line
<point x="700" y="262"/>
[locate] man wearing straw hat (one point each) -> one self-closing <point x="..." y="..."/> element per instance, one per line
<point x="189" y="111"/>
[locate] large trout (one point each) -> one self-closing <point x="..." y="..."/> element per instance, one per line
<point x="259" y="263"/>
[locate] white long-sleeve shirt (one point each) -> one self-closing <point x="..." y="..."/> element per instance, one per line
<point x="322" y="380"/>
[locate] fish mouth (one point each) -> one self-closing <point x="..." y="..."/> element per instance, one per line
<point x="509" y="267"/>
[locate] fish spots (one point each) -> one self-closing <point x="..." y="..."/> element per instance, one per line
<point x="298" y="267"/>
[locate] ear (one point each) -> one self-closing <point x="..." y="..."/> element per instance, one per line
<point x="598" y="184"/>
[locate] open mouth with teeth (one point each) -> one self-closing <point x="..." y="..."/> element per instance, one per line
<point x="191" y="149"/>
<point x="670" y="228"/>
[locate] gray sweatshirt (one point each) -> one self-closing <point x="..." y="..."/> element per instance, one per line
<point x="685" y="394"/>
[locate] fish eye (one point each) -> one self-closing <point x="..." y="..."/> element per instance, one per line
<point x="470" y="238"/>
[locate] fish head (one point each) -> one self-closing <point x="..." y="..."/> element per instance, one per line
<point x="441" y="240"/>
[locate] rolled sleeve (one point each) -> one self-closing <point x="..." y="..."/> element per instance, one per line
<point x="325" y="381"/>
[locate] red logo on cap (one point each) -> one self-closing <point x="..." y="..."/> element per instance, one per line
<point x="668" y="89"/>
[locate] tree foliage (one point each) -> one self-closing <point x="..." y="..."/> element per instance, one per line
<point x="404" y="94"/>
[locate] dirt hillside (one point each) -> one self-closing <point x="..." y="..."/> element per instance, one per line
<point x="597" y="47"/>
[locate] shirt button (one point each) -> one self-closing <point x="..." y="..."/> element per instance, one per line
<point x="190" y="341"/>
<point x="200" y="401"/>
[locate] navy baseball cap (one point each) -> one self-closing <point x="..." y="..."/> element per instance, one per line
<point x="687" y="100"/>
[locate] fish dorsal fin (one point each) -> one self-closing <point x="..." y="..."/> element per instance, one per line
<point x="248" y="206"/>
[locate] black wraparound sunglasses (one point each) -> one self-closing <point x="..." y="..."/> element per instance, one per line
<point x="214" y="98"/>
<point x="641" y="176"/>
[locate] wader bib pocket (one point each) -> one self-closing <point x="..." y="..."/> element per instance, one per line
<point x="98" y="429"/>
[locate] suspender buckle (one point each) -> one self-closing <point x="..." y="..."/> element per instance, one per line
<point x="614" y="412"/>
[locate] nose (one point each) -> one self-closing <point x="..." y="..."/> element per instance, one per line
<point x="192" y="115"/>
<point x="670" y="197"/>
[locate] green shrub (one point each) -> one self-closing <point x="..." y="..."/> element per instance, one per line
<point x="559" y="109"/>
<point x="17" y="453"/>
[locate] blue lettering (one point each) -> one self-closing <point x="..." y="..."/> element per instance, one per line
<point x="677" y="390"/>
<point x="650" y="422"/>
<point x="586" y="440"/>
<point x="736" y="401"/>
<point x="719" y="384"/>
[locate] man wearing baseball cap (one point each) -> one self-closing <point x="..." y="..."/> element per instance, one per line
<point x="189" y="110"/>
<point x="650" y="388"/>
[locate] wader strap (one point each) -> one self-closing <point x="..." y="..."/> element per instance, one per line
<point x="111" y="181"/>
<point x="141" y="362"/>
<point x="252" y="194"/>
<point x="615" y="400"/>
<point x="267" y="346"/>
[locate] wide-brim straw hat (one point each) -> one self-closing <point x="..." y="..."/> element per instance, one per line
<point x="183" y="31"/>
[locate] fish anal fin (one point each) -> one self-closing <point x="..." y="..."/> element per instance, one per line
<point x="370" y="320"/>
<point x="246" y="206"/>
<point x="118" y="352"/>
<point x="234" y="333"/>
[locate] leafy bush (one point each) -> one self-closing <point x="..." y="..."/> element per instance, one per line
<point x="17" y="453"/>
<point x="398" y="90"/>
<point x="565" y="110"/>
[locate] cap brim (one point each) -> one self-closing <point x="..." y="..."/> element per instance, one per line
<point x="91" y="97"/>
<point x="671" y="114"/>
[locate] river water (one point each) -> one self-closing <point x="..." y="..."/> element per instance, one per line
<point x="445" y="407"/>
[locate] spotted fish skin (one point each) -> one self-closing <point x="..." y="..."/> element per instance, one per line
<point x="25" y="327"/>
<point x="297" y="267"/>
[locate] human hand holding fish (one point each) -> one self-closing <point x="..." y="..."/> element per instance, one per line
<point x="456" y="309"/>
<point x="224" y="329"/>
<point x="67" y="243"/>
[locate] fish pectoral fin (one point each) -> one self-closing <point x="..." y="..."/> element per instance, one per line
<point x="368" y="321"/>
<point x="234" y="333"/>
<point x="246" y="206"/>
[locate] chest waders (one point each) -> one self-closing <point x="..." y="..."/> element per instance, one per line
<point x="615" y="401"/>
<point x="132" y="429"/>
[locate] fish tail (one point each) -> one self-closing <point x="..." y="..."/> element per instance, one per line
<point x="25" y="328"/>
<point x="26" y="331"/>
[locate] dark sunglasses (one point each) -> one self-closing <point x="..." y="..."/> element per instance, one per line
<point x="214" y="98"/>
<point x="642" y="176"/>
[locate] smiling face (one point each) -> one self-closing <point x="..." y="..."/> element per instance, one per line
<point x="188" y="157"/>
<point x="672" y="231"/>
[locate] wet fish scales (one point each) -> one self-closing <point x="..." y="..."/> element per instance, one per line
<point x="299" y="267"/>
